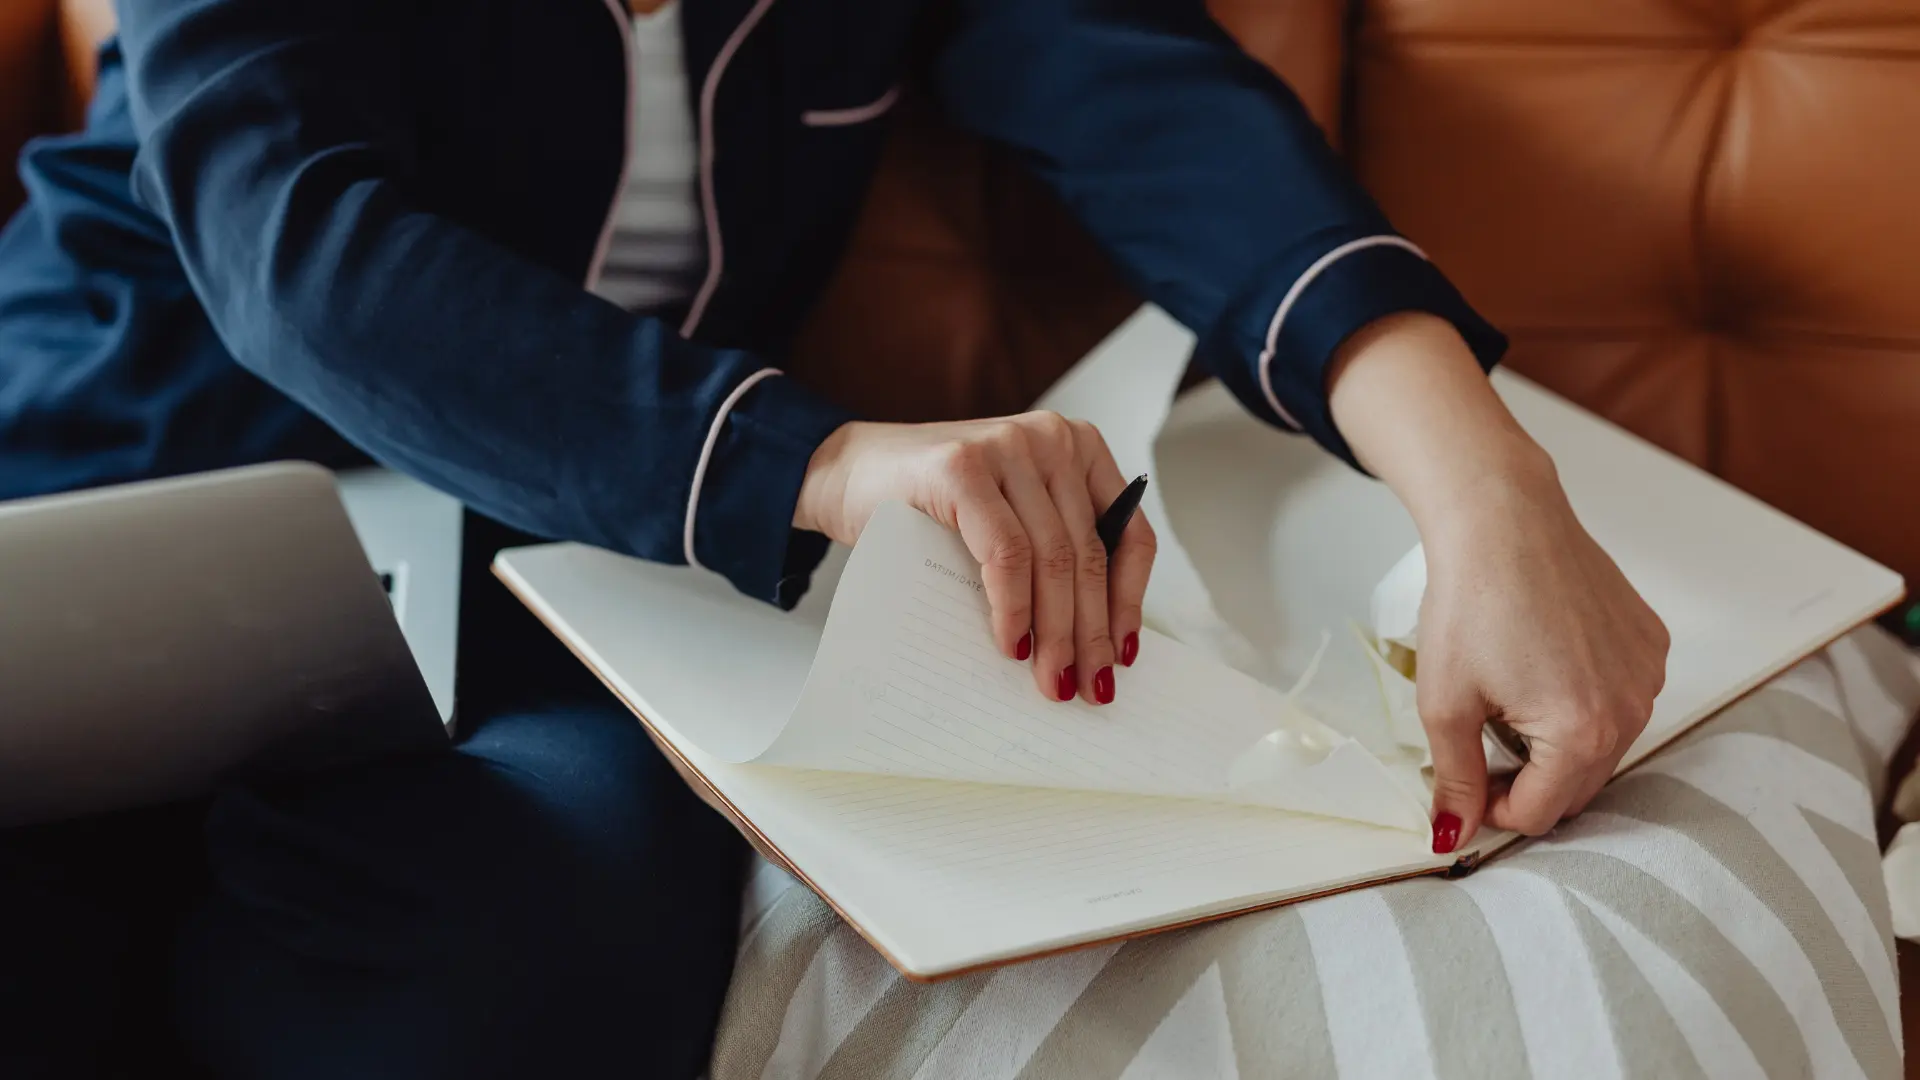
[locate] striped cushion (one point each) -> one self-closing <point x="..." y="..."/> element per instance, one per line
<point x="1717" y="912"/>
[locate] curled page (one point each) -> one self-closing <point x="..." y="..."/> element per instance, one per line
<point x="1396" y="600"/>
<point x="1393" y="650"/>
<point x="1126" y="387"/>
<point x="907" y="682"/>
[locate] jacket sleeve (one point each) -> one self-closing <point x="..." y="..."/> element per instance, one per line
<point x="1204" y="178"/>
<point x="274" y="146"/>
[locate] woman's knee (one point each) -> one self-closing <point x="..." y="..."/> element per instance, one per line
<point x="551" y="884"/>
<point x="592" y="773"/>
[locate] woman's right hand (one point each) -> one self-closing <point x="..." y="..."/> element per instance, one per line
<point x="1024" y="493"/>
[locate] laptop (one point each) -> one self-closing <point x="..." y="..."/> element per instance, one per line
<point x="158" y="637"/>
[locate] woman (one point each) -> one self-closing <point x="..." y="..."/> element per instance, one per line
<point x="539" y="254"/>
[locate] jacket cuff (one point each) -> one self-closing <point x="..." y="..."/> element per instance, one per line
<point x="1284" y="338"/>
<point x="740" y="512"/>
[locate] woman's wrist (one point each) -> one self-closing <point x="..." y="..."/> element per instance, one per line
<point x="1420" y="414"/>
<point x="824" y="485"/>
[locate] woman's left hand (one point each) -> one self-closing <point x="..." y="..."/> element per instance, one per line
<point x="1525" y="618"/>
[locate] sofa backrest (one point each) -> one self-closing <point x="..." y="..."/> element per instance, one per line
<point x="1700" y="220"/>
<point x="967" y="290"/>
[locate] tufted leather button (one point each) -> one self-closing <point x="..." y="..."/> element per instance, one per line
<point x="1698" y="220"/>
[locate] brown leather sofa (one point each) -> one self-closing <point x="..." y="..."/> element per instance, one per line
<point x="1701" y="221"/>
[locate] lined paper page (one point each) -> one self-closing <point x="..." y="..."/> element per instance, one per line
<point x="907" y="682"/>
<point x="1000" y="872"/>
<point x="1059" y="844"/>
<point x="939" y="701"/>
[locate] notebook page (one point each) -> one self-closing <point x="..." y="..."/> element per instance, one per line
<point x="907" y="682"/>
<point x="944" y="875"/>
<point x="941" y="876"/>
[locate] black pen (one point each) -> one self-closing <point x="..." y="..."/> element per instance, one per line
<point x="1114" y="521"/>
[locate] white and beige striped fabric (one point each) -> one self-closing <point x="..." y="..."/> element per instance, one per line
<point x="655" y="254"/>
<point x="1717" y="912"/>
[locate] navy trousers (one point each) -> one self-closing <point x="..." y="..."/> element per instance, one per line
<point x="545" y="899"/>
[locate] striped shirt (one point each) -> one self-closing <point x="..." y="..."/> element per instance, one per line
<point x="656" y="255"/>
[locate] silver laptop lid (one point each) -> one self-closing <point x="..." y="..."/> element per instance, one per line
<point x="411" y="533"/>
<point x="156" y="637"/>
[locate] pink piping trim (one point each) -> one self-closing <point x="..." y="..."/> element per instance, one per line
<point x="715" y="256"/>
<point x="1293" y="294"/>
<point x="624" y="20"/>
<point x="845" y="117"/>
<point x="706" y="451"/>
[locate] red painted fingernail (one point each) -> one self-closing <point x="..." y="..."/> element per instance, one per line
<point x="1103" y="685"/>
<point x="1068" y="684"/>
<point x="1129" y="648"/>
<point x="1446" y="833"/>
<point x="1025" y="648"/>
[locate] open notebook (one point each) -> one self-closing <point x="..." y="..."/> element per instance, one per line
<point x="875" y="743"/>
